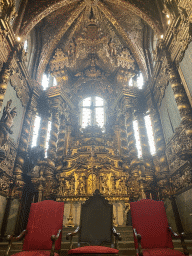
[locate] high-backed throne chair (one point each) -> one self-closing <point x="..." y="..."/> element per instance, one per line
<point x="43" y="232"/>
<point x="152" y="233"/>
<point x="96" y="229"/>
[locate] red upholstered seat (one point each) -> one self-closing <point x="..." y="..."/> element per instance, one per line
<point x="35" y="253"/>
<point x="93" y="250"/>
<point x="150" y="221"/>
<point x="45" y="219"/>
<point x="161" y="252"/>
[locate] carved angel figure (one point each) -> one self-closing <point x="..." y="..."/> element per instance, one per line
<point x="6" y="123"/>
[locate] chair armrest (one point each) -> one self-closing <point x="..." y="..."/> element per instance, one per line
<point x="73" y="234"/>
<point x="54" y="238"/>
<point x="69" y="236"/>
<point x="173" y="233"/>
<point x="181" y="236"/>
<point x="11" y="238"/>
<point x="138" y="236"/>
<point x="117" y="237"/>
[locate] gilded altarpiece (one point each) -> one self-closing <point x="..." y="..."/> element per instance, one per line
<point x="91" y="163"/>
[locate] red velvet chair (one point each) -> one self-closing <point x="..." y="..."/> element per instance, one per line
<point x="95" y="228"/>
<point x="43" y="231"/>
<point x="152" y="233"/>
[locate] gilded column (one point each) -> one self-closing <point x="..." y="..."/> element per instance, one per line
<point x="61" y="142"/>
<point x="55" y="104"/>
<point x="25" y="139"/>
<point x="180" y="95"/>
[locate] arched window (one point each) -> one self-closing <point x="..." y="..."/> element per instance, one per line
<point x="92" y="112"/>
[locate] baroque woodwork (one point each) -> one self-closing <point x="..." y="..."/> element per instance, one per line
<point x="94" y="49"/>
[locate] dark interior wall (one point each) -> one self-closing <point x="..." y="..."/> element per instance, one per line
<point x="184" y="204"/>
<point x="186" y="67"/>
<point x="170" y="117"/>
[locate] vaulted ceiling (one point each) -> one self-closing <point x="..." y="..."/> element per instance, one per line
<point x="92" y="36"/>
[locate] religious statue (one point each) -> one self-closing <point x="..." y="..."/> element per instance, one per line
<point x="81" y="186"/>
<point x="6" y="123"/>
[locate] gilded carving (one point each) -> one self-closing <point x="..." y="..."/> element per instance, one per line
<point x="6" y="122"/>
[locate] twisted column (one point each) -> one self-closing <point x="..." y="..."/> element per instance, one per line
<point x="61" y="142"/>
<point x="55" y="104"/>
<point x="180" y="95"/>
<point x="24" y="142"/>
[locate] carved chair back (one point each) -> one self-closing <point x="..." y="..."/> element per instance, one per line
<point x="96" y="221"/>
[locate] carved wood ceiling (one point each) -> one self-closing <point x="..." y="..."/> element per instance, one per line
<point x="96" y="26"/>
